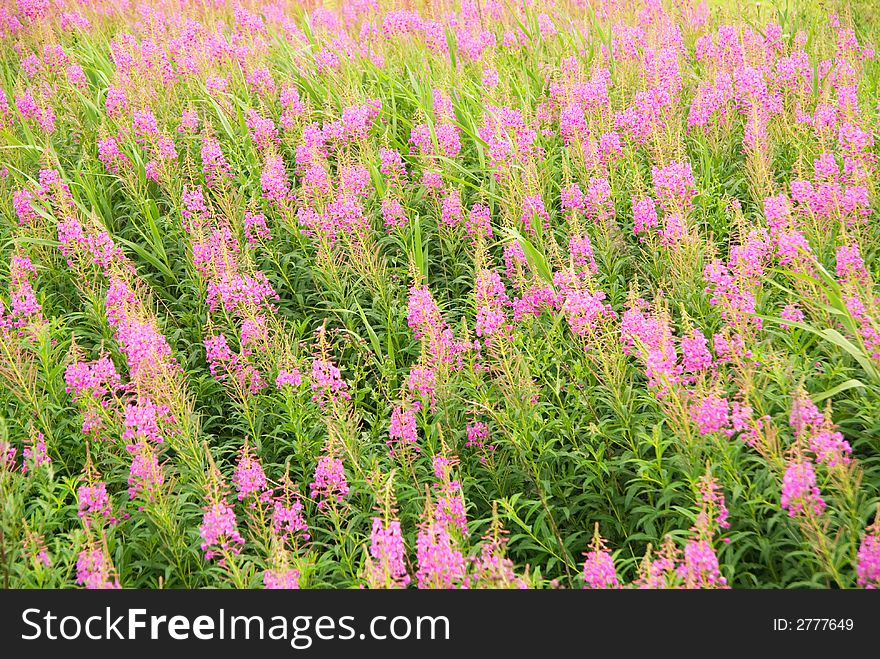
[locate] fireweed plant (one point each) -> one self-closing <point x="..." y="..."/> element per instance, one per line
<point x="478" y="294"/>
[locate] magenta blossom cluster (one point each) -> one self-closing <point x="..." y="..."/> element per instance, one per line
<point x="249" y="479"/>
<point x="223" y="363"/>
<point x="650" y="337"/>
<point x="492" y="302"/>
<point x="288" y="378"/>
<point x="734" y="285"/>
<point x="699" y="567"/>
<point x="857" y="288"/>
<point x="599" y="570"/>
<point x="449" y="509"/>
<point x="868" y="559"/>
<point x="711" y="413"/>
<point x="25" y="309"/>
<point x="89" y="247"/>
<point x="215" y="167"/>
<point x="441" y="565"/>
<point x="93" y="570"/>
<point x="585" y="309"/>
<point x="327" y="382"/>
<point x="94" y="504"/>
<point x="713" y="509"/>
<point x="402" y="429"/>
<point x="429" y="327"/>
<point x="491" y="568"/>
<point x="146" y="474"/>
<point x="219" y="532"/>
<point x="146" y="349"/>
<point x="386" y="567"/>
<point x="35" y="455"/>
<point x="478" y="438"/>
<point x="95" y="379"/>
<point x="817" y="431"/>
<point x="329" y="484"/>
<point x="288" y="520"/>
<point x="510" y="138"/>
<point x="800" y="494"/>
<point x="281" y="579"/>
<point x="145" y="420"/>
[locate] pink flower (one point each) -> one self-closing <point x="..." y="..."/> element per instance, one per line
<point x="262" y="130"/>
<point x="800" y="494"/>
<point x="695" y="355"/>
<point x="791" y="312"/>
<point x="93" y="570"/>
<point x="281" y="579"/>
<point x="868" y="560"/>
<point x="26" y="309"/>
<point x="534" y="212"/>
<point x="96" y="379"/>
<point x="492" y="569"/>
<point x="644" y="216"/>
<point x="255" y="228"/>
<point x="492" y="302"/>
<point x="386" y="567"/>
<point x="674" y="185"/>
<point x="292" y="378"/>
<point x="423" y="382"/>
<point x="393" y="214"/>
<point x="293" y="106"/>
<point x="288" y="519"/>
<point x="329" y="482"/>
<point x="581" y="250"/>
<point x="327" y="382"/>
<point x="850" y="265"/>
<point x="145" y="474"/>
<point x="115" y="103"/>
<point x="214" y="164"/>
<point x="35" y="455"/>
<point x="94" y="503"/>
<point x="273" y="180"/>
<point x="77" y="77"/>
<point x="441" y="565"/>
<point x="711" y="503"/>
<point x="448" y="140"/>
<point x="820" y="433"/>
<point x="144" y="420"/>
<point x="110" y="154"/>
<point x="711" y="413"/>
<point x="452" y="213"/>
<point x="392" y="166"/>
<point x="476" y="434"/>
<point x="429" y="326"/>
<point x="599" y="570"/>
<point x="402" y="428"/>
<point x="22" y="203"/>
<point x="586" y="311"/>
<point x="249" y="478"/>
<point x="651" y="338"/>
<point x="144" y="124"/>
<point x="699" y="568"/>
<point x="490" y="78"/>
<point x="218" y="531"/>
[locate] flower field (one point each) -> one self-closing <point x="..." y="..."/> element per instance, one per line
<point x="430" y="294"/>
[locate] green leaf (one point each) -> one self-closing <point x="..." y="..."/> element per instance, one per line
<point x="418" y="250"/>
<point x="374" y="339"/>
<point x="536" y="259"/>
<point x="839" y="340"/>
<point x="844" y="386"/>
<point x="834" y="337"/>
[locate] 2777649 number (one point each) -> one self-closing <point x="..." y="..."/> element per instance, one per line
<point x="813" y="624"/>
